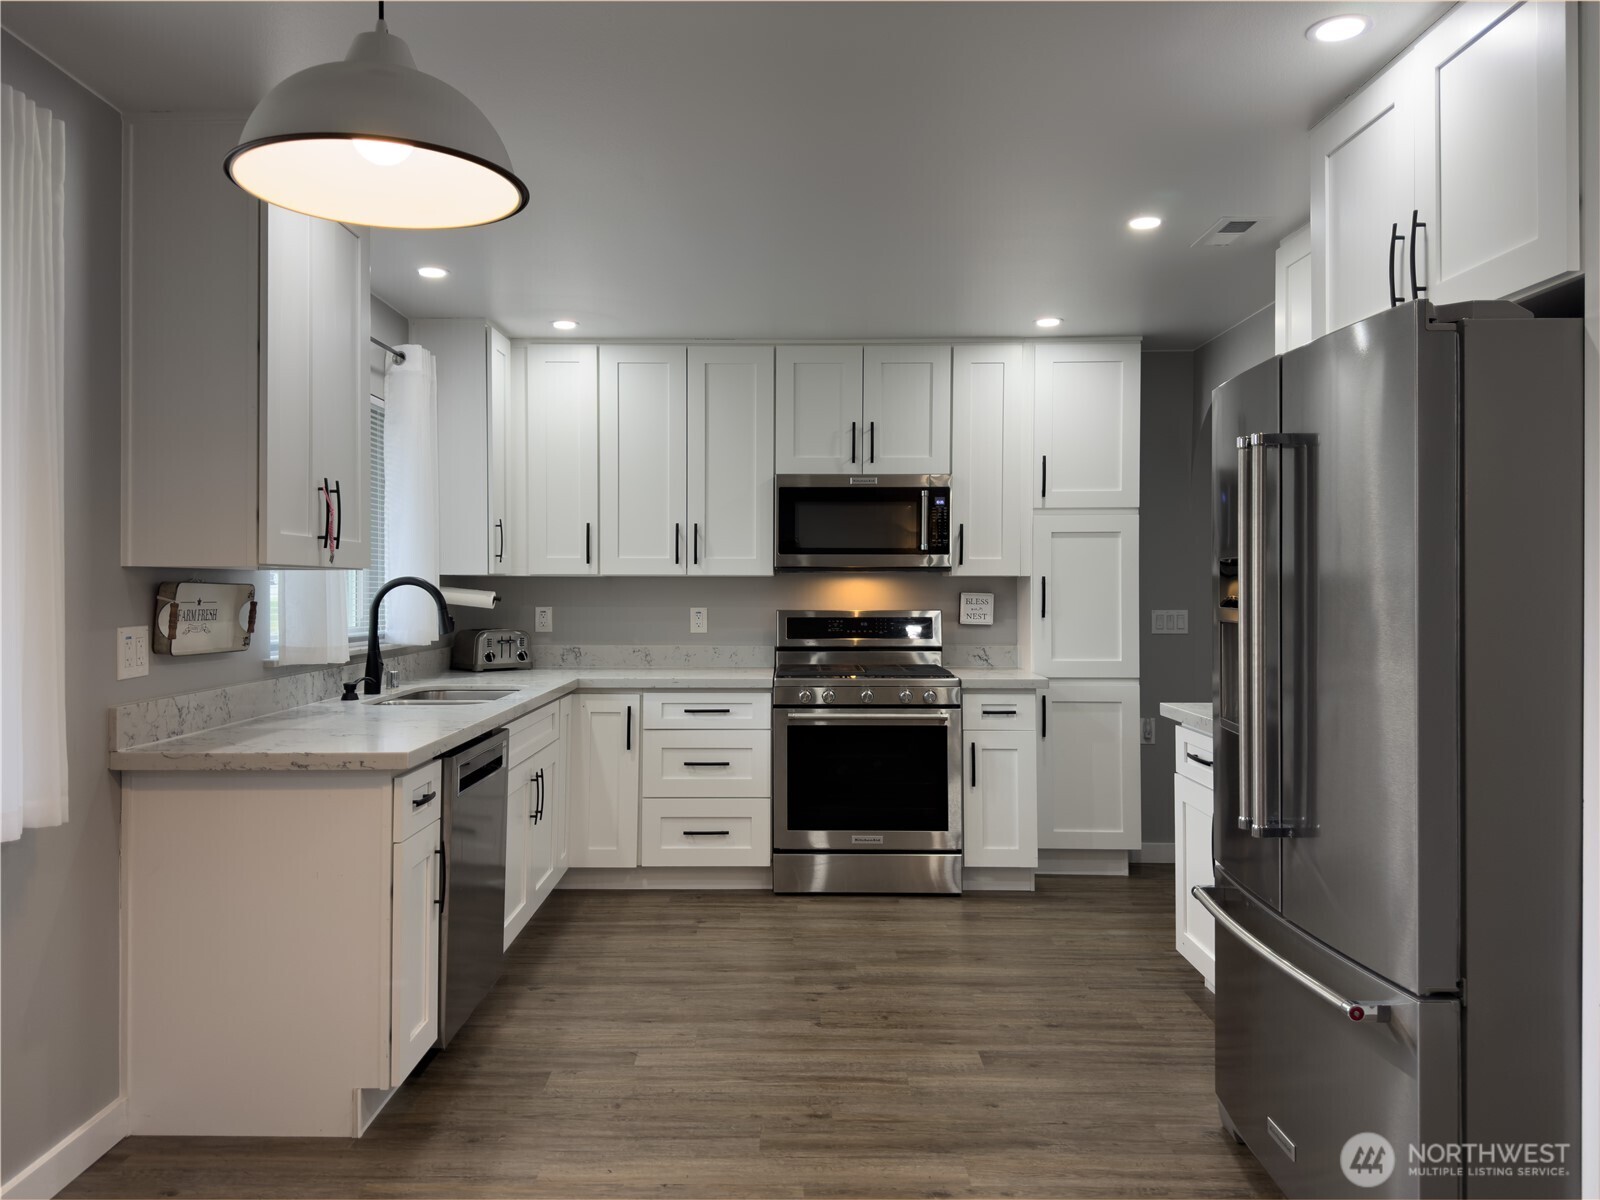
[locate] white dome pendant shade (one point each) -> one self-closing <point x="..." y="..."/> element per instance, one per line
<point x="374" y="141"/>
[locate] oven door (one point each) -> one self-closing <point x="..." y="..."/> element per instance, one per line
<point x="862" y="779"/>
<point x="868" y="522"/>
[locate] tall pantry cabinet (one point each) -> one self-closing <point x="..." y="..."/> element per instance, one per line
<point x="244" y="409"/>
<point x="1084" y="593"/>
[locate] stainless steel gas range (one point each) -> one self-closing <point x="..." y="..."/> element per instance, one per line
<point x="866" y="755"/>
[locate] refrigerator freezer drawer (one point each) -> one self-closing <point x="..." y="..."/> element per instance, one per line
<point x="1297" y="1078"/>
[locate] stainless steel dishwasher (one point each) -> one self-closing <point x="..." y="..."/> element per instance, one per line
<point x="470" y="949"/>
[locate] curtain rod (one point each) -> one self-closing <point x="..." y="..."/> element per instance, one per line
<point x="399" y="355"/>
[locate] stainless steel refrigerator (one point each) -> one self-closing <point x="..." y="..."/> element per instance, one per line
<point x="1398" y="572"/>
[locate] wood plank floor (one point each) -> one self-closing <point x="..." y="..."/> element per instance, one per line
<point x="730" y="1044"/>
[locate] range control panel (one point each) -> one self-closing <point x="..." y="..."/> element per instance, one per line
<point x="490" y="650"/>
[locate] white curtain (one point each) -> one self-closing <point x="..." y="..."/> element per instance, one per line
<point x="33" y="712"/>
<point x="411" y="501"/>
<point x="313" y="621"/>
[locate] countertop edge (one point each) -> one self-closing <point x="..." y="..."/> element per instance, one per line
<point x="1194" y="714"/>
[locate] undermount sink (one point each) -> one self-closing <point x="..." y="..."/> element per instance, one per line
<point x="448" y="696"/>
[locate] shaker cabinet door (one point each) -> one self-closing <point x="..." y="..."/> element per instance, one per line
<point x="730" y="460"/>
<point x="819" y="425"/>
<point x="989" y="457"/>
<point x="643" y="432"/>
<point x="603" y="803"/>
<point x="414" y="951"/>
<point x="905" y="410"/>
<point x="1086" y="595"/>
<point x="1000" y="818"/>
<point x="1086" y="425"/>
<point x="562" y="504"/>
<point x="1089" y="796"/>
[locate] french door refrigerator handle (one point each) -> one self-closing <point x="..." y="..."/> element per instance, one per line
<point x="1246" y="501"/>
<point x="1356" y="1010"/>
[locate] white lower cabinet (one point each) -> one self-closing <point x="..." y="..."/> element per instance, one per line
<point x="416" y="903"/>
<point x="604" y="798"/>
<point x="535" y="802"/>
<point x="1000" y="795"/>
<point x="1192" y="815"/>
<point x="699" y="832"/>
<point x="1089" y="797"/>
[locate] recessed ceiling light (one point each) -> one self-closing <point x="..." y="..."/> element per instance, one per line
<point x="564" y="324"/>
<point x="1339" y="29"/>
<point x="1048" y="322"/>
<point x="1144" y="223"/>
<point x="432" y="272"/>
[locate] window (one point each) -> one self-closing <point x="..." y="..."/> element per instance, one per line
<point x="361" y="586"/>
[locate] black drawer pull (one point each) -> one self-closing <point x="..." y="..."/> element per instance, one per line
<point x="424" y="799"/>
<point x="999" y="712"/>
<point x="706" y="712"/>
<point x="708" y="764"/>
<point x="1195" y="758"/>
<point x="706" y="832"/>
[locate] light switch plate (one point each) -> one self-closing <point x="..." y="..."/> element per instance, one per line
<point x="133" y="651"/>
<point x="543" y="620"/>
<point x="1169" y="620"/>
<point x="697" y="620"/>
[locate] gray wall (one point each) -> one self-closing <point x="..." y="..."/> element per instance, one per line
<point x="59" y="888"/>
<point x="615" y="612"/>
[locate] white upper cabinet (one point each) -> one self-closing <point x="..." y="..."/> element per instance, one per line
<point x="643" y="433"/>
<point x="819" y="410"/>
<point x="1086" y="425"/>
<point x="1292" y="316"/>
<point x="989" y="459"/>
<point x="562" y="453"/>
<point x="905" y="409"/>
<point x="1086" y="595"/>
<point x="1089" y="798"/>
<point x="1454" y="174"/>
<point x="730" y="460"/>
<point x="1362" y="193"/>
<point x="1497" y="150"/>
<point x="245" y="332"/>
<point x="508" y="534"/>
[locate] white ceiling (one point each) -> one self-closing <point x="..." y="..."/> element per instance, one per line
<point x="847" y="170"/>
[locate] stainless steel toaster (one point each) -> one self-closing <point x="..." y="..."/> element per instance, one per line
<point x="490" y="650"/>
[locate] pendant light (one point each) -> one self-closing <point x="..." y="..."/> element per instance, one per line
<point x="374" y="141"/>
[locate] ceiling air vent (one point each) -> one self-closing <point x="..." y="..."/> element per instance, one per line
<point x="1225" y="231"/>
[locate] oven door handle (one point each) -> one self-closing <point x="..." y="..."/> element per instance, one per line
<point x="849" y="716"/>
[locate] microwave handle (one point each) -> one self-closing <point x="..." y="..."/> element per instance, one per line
<point x="922" y="529"/>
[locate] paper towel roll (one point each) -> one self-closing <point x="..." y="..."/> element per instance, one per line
<point x="469" y="598"/>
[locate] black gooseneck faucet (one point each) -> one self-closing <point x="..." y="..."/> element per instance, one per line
<point x="372" y="685"/>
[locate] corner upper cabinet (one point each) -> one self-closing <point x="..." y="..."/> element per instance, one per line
<point x="1086" y="424"/>
<point x="643" y="433"/>
<point x="561" y="508"/>
<point x="245" y="335"/>
<point x="989" y="459"/>
<point x="730" y="460"/>
<point x="905" y="410"/>
<point x="819" y="410"/>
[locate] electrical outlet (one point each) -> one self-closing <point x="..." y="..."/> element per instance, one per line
<point x="1169" y="620"/>
<point x="1147" y="731"/>
<point x="543" y="620"/>
<point x="133" y="651"/>
<point x="697" y="620"/>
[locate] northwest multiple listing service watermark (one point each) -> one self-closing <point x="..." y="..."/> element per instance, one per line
<point x="1368" y="1160"/>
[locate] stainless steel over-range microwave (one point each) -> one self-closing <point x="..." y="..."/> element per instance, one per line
<point x="862" y="523"/>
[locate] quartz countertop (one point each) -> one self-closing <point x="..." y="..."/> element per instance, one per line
<point x="1194" y="715"/>
<point x="1000" y="679"/>
<point x="339" y="735"/>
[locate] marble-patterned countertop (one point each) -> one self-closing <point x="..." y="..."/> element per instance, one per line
<point x="1000" y="679"/>
<point x="339" y="735"/>
<point x="1194" y="715"/>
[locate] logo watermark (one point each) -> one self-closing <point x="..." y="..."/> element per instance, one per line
<point x="1368" y="1160"/>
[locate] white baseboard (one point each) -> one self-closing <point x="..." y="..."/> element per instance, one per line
<point x="697" y="879"/>
<point x="997" y="879"/>
<point x="71" y="1156"/>
<point x="1153" y="852"/>
<point x="1083" y="862"/>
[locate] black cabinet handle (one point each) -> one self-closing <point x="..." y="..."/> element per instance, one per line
<point x="961" y="544"/>
<point x="444" y="876"/>
<point x="1394" y="236"/>
<point x="1417" y="289"/>
<point x="1044" y="714"/>
<point x="852" y="441"/>
<point x="1195" y="758"/>
<point x="424" y="800"/>
<point x="627" y="737"/>
<point x="697" y="543"/>
<point x="500" y="554"/>
<point x="1044" y="462"/>
<point x="706" y="712"/>
<point x="872" y="441"/>
<point x="999" y="712"/>
<point x="974" y="764"/>
<point x="687" y="763"/>
<point x="677" y="542"/>
<point x="586" y="559"/>
<point x="1042" y="580"/>
<point x="705" y="833"/>
<point x="338" y="520"/>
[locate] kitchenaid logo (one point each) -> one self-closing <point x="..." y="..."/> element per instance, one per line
<point x="1368" y="1159"/>
<point x="867" y="839"/>
<point x="857" y="479"/>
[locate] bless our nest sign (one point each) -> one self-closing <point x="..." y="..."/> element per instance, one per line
<point x="977" y="608"/>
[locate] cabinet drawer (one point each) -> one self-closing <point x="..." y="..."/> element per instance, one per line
<point x="707" y="710"/>
<point x="417" y="802"/>
<point x="998" y="710"/>
<point x="1193" y="755"/>
<point x="709" y="762"/>
<point x="532" y="733"/>
<point x="681" y="832"/>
